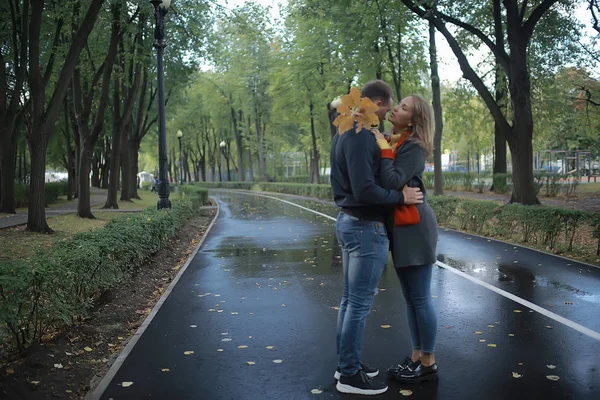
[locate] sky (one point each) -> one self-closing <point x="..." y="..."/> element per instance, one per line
<point x="449" y="69"/>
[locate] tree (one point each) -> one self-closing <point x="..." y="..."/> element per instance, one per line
<point x="42" y="113"/>
<point x="520" y="23"/>
<point x="437" y="113"/>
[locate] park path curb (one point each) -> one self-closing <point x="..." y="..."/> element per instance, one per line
<point x="99" y="390"/>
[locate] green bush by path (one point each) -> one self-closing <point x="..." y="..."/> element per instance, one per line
<point x="52" y="189"/>
<point x="301" y="189"/>
<point x="60" y="284"/>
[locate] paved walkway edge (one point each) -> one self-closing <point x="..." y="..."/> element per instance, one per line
<point x="99" y="390"/>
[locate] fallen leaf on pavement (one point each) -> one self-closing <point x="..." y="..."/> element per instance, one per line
<point x="250" y="362"/>
<point x="386" y="326"/>
<point x="10" y="371"/>
<point x="270" y="347"/>
<point x="220" y="350"/>
<point x="193" y="326"/>
<point x="551" y="366"/>
<point x="406" y="392"/>
<point x="34" y="382"/>
<point x="59" y="366"/>
<point x="482" y="340"/>
<point x="492" y="345"/>
<point x="515" y="375"/>
<point x="479" y="333"/>
<point x="87" y="348"/>
<point x="511" y="334"/>
<point x="243" y="346"/>
<point x="187" y="353"/>
<point x="552" y="377"/>
<point x="277" y="361"/>
<point x="518" y="311"/>
<point x="548" y="326"/>
<point x="316" y="391"/>
<point x="165" y="369"/>
<point x="126" y="384"/>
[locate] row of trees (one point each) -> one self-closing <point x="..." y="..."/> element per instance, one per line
<point x="270" y="83"/>
<point x="77" y="85"/>
<point x="80" y="75"/>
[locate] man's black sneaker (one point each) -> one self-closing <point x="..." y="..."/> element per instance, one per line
<point x="360" y="383"/>
<point x="419" y="374"/>
<point x="371" y="372"/>
<point x="396" y="369"/>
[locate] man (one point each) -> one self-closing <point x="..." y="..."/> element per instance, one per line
<point x="360" y="229"/>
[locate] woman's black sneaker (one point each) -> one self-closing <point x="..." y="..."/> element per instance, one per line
<point x="396" y="369"/>
<point x="419" y="374"/>
<point x="371" y="372"/>
<point x="360" y="383"/>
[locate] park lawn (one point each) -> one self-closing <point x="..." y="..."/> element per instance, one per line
<point x="147" y="200"/>
<point x="589" y="188"/>
<point x="16" y="244"/>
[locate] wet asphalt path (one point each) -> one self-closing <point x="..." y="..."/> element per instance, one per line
<point x="269" y="274"/>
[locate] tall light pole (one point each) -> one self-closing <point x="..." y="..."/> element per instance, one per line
<point x="179" y="136"/>
<point x="160" y="10"/>
<point x="222" y="146"/>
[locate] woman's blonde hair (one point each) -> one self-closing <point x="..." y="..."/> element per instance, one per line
<point x="421" y="119"/>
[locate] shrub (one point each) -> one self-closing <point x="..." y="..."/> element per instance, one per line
<point x="52" y="191"/>
<point x="429" y="180"/>
<point x="571" y="183"/>
<point x="452" y="180"/>
<point x="595" y="222"/>
<point x="552" y="185"/>
<point x="467" y="181"/>
<point x="444" y="207"/>
<point x="59" y="285"/>
<point x="474" y="214"/>
<point x="502" y="183"/>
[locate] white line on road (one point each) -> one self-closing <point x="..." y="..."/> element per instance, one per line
<point x="517" y="299"/>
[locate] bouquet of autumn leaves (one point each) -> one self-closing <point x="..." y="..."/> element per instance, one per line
<point x="354" y="109"/>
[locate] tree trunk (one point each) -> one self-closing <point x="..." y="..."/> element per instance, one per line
<point x="523" y="188"/>
<point x="113" y="182"/>
<point x="126" y="167"/>
<point x="259" y="150"/>
<point x="437" y="113"/>
<point x="238" y="142"/>
<point x="134" y="147"/>
<point x="36" y="216"/>
<point x="315" y="176"/>
<point x="105" y="164"/>
<point x="7" y="174"/>
<point x="84" y="207"/>
<point x="499" y="133"/>
<point x="250" y="167"/>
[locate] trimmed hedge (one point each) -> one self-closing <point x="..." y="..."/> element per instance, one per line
<point x="553" y="227"/>
<point x="59" y="285"/>
<point x="300" y="189"/>
<point x="52" y="189"/>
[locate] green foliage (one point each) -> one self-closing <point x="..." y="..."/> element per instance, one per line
<point x="595" y="222"/>
<point x="61" y="284"/>
<point x="53" y="191"/>
<point x="444" y="207"/>
<point x="473" y="215"/>
<point x="502" y="183"/>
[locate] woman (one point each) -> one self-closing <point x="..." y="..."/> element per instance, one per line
<point x="414" y="237"/>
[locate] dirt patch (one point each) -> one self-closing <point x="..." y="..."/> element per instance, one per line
<point x="66" y="367"/>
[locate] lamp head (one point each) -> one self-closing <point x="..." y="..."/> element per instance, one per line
<point x="179" y="134"/>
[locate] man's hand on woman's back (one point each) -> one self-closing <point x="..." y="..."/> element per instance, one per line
<point x="412" y="195"/>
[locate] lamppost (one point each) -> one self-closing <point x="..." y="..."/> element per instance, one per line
<point x="222" y="146"/>
<point x="160" y="10"/>
<point x="179" y="136"/>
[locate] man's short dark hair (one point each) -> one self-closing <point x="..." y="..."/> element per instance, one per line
<point x="377" y="90"/>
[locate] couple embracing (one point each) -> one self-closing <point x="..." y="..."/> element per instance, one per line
<point x="377" y="182"/>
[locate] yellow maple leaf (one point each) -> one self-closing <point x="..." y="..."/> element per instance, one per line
<point x="356" y="109"/>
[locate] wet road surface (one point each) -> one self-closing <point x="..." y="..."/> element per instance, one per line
<point x="257" y="307"/>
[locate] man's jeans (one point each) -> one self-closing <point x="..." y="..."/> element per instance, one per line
<point x="364" y="255"/>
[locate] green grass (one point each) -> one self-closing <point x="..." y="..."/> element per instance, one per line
<point x="589" y="188"/>
<point x="147" y="200"/>
<point x="18" y="244"/>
